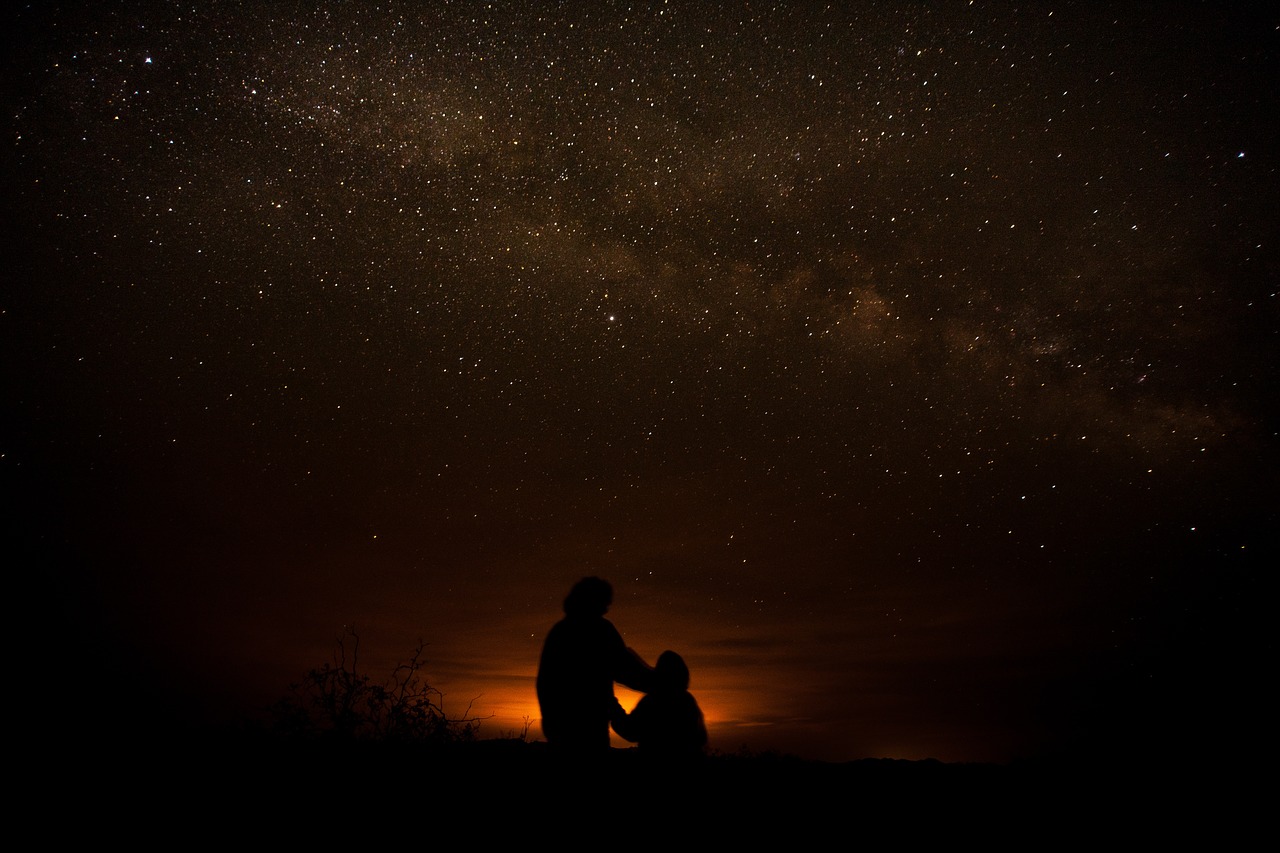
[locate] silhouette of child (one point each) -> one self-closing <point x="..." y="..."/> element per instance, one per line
<point x="666" y="721"/>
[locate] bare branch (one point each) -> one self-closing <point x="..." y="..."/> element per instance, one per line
<point x="335" y="700"/>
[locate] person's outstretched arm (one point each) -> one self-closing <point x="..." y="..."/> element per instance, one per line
<point x="632" y="671"/>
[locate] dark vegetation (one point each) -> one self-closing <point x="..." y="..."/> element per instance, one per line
<point x="340" y="702"/>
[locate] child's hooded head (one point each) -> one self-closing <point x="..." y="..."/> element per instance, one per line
<point x="672" y="672"/>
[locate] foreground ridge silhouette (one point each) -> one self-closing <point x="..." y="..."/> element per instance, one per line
<point x="252" y="784"/>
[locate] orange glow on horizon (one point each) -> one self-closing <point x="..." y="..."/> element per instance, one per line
<point x="514" y="712"/>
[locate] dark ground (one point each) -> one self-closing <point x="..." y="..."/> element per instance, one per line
<point x="243" y="789"/>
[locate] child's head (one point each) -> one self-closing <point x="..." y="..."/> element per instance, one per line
<point x="672" y="672"/>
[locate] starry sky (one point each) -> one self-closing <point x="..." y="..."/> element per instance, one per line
<point x="908" y="368"/>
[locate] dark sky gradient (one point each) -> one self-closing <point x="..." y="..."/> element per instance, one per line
<point x="909" y="369"/>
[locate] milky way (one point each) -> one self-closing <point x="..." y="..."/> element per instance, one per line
<point x="909" y="369"/>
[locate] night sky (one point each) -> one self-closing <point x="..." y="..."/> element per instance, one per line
<point x="909" y="368"/>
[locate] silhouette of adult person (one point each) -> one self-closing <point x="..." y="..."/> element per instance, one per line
<point x="582" y="658"/>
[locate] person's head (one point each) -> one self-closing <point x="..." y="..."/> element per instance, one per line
<point x="672" y="672"/>
<point x="589" y="597"/>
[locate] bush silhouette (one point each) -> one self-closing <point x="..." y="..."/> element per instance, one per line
<point x="337" y="701"/>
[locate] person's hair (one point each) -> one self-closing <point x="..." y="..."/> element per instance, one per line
<point x="589" y="597"/>
<point x="672" y="671"/>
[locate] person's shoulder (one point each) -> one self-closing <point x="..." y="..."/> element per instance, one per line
<point x="604" y="626"/>
<point x="586" y="626"/>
